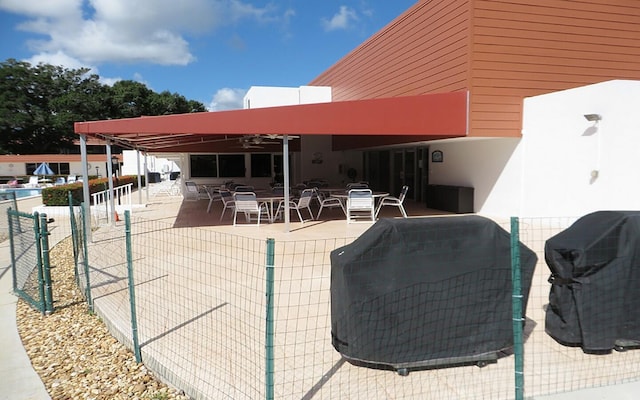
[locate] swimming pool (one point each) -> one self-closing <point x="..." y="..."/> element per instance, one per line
<point x="23" y="192"/>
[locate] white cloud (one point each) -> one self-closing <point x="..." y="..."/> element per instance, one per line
<point x="227" y="99"/>
<point x="53" y="9"/>
<point x="151" y="31"/>
<point x="57" y="58"/>
<point x="341" y="20"/>
<point x="109" y="81"/>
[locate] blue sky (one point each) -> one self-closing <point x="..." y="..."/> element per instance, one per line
<point x="207" y="50"/>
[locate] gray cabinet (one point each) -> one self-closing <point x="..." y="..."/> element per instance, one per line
<point x="457" y="199"/>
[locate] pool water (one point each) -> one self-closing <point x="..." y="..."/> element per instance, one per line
<point x="23" y="192"/>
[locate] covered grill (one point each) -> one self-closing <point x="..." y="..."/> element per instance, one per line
<point x="425" y="292"/>
<point x="595" y="282"/>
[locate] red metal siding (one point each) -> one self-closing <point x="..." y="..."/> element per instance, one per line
<point x="425" y="50"/>
<point x="526" y="48"/>
<point x="500" y="50"/>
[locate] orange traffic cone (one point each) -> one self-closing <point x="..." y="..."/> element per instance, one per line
<point x="117" y="217"/>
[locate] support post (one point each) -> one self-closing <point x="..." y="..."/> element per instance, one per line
<point x="111" y="200"/>
<point x="86" y="195"/>
<point x="139" y="176"/>
<point x="146" y="176"/>
<point x="285" y="173"/>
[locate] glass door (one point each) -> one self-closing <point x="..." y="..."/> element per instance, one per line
<point x="404" y="171"/>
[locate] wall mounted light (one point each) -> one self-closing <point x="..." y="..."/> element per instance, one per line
<point x="593" y="117"/>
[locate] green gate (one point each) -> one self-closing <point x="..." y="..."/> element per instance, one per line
<point x="29" y="243"/>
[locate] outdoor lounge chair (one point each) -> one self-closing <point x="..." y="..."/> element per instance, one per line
<point x="394" y="201"/>
<point x="33" y="182"/>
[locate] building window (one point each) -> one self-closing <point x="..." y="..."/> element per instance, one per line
<point x="260" y="165"/>
<point x="231" y="165"/>
<point x="60" y="168"/>
<point x="204" y="166"/>
<point x="31" y="167"/>
<point x="57" y="168"/>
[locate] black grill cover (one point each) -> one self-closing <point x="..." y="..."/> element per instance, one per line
<point x="412" y="290"/>
<point x="594" y="299"/>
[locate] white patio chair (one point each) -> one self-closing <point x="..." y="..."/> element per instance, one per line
<point x="71" y="179"/>
<point x="193" y="192"/>
<point x="246" y="203"/>
<point x="227" y="201"/>
<point x="394" y="201"/>
<point x="60" y="181"/>
<point x="328" y="202"/>
<point x="213" y="195"/>
<point x="358" y="185"/>
<point x="304" y="202"/>
<point x="244" y="188"/>
<point x="360" y="205"/>
<point x="33" y="182"/>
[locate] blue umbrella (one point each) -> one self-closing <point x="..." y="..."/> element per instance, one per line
<point x="43" y="169"/>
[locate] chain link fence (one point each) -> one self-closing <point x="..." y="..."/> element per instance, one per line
<point x="7" y="201"/>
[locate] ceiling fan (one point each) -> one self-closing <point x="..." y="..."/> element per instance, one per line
<point x="278" y="136"/>
<point x="254" y="142"/>
<point x="257" y="140"/>
<point x="249" y="145"/>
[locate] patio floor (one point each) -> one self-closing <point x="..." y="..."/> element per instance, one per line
<point x="550" y="368"/>
<point x="185" y="214"/>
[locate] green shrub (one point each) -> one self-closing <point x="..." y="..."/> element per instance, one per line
<point x="58" y="195"/>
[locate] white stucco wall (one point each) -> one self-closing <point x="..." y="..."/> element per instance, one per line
<point x="19" y="168"/>
<point x="548" y="172"/>
<point x="490" y="166"/>
<point x="562" y="149"/>
<point x="311" y="146"/>
<point x="154" y="164"/>
<point x="268" y="96"/>
<point x="272" y="96"/>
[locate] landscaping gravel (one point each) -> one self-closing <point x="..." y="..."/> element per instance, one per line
<point x="74" y="353"/>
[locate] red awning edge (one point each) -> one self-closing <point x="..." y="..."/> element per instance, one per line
<point x="442" y="115"/>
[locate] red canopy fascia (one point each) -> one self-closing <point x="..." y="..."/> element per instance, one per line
<point x="437" y="115"/>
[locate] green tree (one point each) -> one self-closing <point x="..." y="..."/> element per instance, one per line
<point x="131" y="99"/>
<point x="24" y="94"/>
<point x="173" y="103"/>
<point x="39" y="105"/>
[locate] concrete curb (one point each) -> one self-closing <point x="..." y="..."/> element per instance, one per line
<point x="18" y="379"/>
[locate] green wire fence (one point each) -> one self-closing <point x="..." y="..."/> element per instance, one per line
<point x="224" y="315"/>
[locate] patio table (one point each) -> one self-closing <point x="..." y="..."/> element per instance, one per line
<point x="269" y="199"/>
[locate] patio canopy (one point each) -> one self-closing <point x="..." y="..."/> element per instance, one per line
<point x="423" y="117"/>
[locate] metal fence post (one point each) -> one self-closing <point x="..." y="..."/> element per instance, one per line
<point x="38" y="242"/>
<point x="46" y="266"/>
<point x="11" y="247"/>
<point x="74" y="237"/>
<point x="517" y="316"/>
<point x="132" y="293"/>
<point x="85" y="229"/>
<point x="269" y="350"/>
